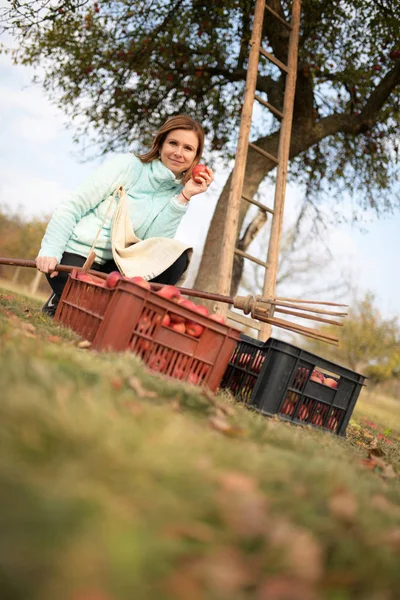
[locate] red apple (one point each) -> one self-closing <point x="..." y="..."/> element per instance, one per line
<point x="317" y="420"/>
<point x="166" y="320"/>
<point x="217" y="318"/>
<point x="144" y="324"/>
<point x="202" y="310"/>
<point x="330" y="382"/>
<point x="113" y="278"/>
<point x="170" y="292"/>
<point x="303" y="413"/>
<point x="197" y="170"/>
<point x="175" y="318"/>
<point x="179" y="327"/>
<point x="157" y="363"/>
<point x="258" y="363"/>
<point x="244" y="359"/>
<point x="187" y="303"/>
<point x="332" y="423"/>
<point x="193" y="378"/>
<point x="317" y="376"/>
<point x="288" y="407"/>
<point x="194" y="329"/>
<point x="141" y="282"/>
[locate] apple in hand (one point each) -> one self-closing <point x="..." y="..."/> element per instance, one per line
<point x="113" y="278"/>
<point x="197" y="170"/>
<point x="141" y="282"/>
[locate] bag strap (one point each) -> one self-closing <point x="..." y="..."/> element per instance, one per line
<point x="90" y="259"/>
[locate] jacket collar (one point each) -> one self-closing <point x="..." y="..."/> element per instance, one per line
<point x="161" y="175"/>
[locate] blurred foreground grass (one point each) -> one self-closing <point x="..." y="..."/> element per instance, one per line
<point x="116" y="484"/>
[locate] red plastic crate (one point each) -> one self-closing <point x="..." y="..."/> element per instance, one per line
<point x="129" y="317"/>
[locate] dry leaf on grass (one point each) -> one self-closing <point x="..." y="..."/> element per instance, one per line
<point x="284" y="588"/>
<point x="392" y="539"/>
<point x="91" y="594"/>
<point x="134" y="408"/>
<point x="26" y="328"/>
<point x="242" y="505"/>
<point x="376" y="464"/>
<point x="301" y="551"/>
<point x="343" y="505"/>
<point x="224" y="572"/>
<point x="138" y="388"/>
<point x="84" y="344"/>
<point x="184" y="585"/>
<point x="221" y="424"/>
<point x="382" y="503"/>
<point x="55" y="339"/>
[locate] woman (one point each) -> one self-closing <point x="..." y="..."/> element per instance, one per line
<point x="158" y="188"/>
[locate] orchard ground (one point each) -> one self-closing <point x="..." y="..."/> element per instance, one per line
<point x="117" y="483"/>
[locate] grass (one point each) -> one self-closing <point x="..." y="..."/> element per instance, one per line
<point x="117" y="484"/>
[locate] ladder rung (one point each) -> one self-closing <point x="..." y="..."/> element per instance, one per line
<point x="248" y="321"/>
<point x="288" y="25"/>
<point x="256" y="203"/>
<point x="249" y="257"/>
<point x="274" y="60"/>
<point x="264" y="153"/>
<point x="274" y="110"/>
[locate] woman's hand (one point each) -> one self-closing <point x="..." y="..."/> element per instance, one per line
<point x="192" y="187"/>
<point x="47" y="264"/>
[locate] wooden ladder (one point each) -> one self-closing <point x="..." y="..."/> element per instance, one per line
<point x="229" y="248"/>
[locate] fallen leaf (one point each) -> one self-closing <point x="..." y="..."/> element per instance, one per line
<point x="243" y="507"/>
<point x="54" y="339"/>
<point x="117" y="383"/>
<point x="84" y="344"/>
<point x="301" y="551"/>
<point x="382" y="503"/>
<point x="304" y="557"/>
<point x="134" y="408"/>
<point x="138" y="388"/>
<point x="379" y="466"/>
<point x="184" y="585"/>
<point x="175" y="404"/>
<point x="224" y="572"/>
<point x="343" y="505"/>
<point x="221" y="424"/>
<point x="392" y="538"/>
<point x="283" y="588"/>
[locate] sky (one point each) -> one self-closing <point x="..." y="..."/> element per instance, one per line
<point x="39" y="165"/>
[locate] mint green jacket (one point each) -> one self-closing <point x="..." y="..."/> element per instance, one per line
<point x="152" y="197"/>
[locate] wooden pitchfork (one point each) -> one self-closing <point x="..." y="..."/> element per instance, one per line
<point x="262" y="309"/>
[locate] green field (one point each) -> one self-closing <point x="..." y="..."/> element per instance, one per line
<point x="117" y="483"/>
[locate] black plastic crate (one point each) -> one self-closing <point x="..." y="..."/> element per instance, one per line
<point x="275" y="377"/>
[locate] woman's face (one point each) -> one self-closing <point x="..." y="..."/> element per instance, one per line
<point x="179" y="150"/>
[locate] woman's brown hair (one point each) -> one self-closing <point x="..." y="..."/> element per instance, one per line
<point x="177" y="122"/>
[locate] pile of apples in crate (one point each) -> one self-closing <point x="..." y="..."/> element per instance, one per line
<point x="174" y="321"/>
<point x="311" y="410"/>
<point x="320" y="378"/>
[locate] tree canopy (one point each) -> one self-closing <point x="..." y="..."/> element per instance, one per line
<point x="120" y="67"/>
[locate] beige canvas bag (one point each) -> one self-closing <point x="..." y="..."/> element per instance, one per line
<point x="144" y="258"/>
